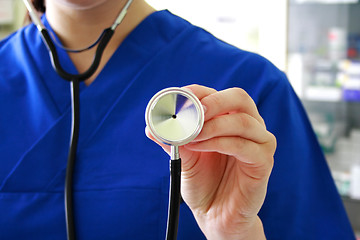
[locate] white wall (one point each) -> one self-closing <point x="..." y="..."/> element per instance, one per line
<point x="256" y="25"/>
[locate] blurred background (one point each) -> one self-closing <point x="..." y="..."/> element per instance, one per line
<point x="316" y="42"/>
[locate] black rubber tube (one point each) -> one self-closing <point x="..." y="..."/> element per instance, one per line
<point x="75" y="101"/>
<point x="94" y="65"/>
<point x="174" y="200"/>
<point x="68" y="190"/>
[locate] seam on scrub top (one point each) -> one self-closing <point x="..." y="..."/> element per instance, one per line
<point x="30" y="149"/>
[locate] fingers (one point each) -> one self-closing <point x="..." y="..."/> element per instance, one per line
<point x="226" y="101"/>
<point x="237" y="124"/>
<point x="256" y="159"/>
<point x="200" y="91"/>
<point x="231" y="115"/>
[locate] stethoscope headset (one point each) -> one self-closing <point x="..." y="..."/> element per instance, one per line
<point x="174" y="117"/>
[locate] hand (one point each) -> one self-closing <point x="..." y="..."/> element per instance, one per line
<point x="225" y="170"/>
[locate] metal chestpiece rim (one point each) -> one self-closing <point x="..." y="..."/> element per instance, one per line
<point x="174" y="116"/>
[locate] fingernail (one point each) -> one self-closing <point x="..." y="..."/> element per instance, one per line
<point x="187" y="89"/>
<point x="205" y="108"/>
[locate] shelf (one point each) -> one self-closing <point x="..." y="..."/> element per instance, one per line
<point x="349" y="199"/>
<point x="330" y="94"/>
<point x="327" y="1"/>
<point x="322" y="93"/>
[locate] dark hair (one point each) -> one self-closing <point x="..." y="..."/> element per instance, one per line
<point x="39" y="5"/>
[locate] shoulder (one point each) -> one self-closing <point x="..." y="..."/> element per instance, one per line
<point x="17" y="50"/>
<point x="221" y="65"/>
<point x="15" y="45"/>
<point x="12" y="40"/>
<point x="11" y="57"/>
<point x="18" y="53"/>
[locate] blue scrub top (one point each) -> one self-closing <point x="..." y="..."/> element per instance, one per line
<point x="121" y="177"/>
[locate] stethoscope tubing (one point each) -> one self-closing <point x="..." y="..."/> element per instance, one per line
<point x="108" y="33"/>
<point x="75" y="123"/>
<point x="75" y="102"/>
<point x="174" y="199"/>
<point x="75" y="79"/>
<point x="68" y="189"/>
<point x="166" y="108"/>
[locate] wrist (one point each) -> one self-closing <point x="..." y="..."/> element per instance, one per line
<point x="251" y="230"/>
<point x="255" y="231"/>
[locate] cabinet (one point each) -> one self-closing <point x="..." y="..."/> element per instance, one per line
<point x="323" y="65"/>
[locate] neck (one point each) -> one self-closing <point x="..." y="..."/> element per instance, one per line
<point x="79" y="27"/>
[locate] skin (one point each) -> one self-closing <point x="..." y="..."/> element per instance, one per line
<point x="81" y="4"/>
<point x="227" y="167"/>
<point x="76" y="23"/>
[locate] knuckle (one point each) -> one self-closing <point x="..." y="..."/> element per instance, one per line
<point x="212" y="126"/>
<point x="264" y="162"/>
<point x="217" y="141"/>
<point x="243" y="121"/>
<point x="268" y="166"/>
<point x="241" y="97"/>
<point x="272" y="141"/>
<point x="241" y="93"/>
<point x="264" y="170"/>
<point x="194" y="86"/>
<point x="239" y="146"/>
<point x="215" y="101"/>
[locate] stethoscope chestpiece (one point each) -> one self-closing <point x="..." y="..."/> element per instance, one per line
<point x="175" y="116"/>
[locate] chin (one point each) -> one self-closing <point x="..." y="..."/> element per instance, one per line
<point x="81" y="4"/>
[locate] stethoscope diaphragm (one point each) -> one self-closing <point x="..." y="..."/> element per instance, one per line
<point x="175" y="116"/>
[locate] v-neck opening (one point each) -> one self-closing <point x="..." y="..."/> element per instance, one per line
<point x="135" y="39"/>
<point x="141" y="45"/>
<point x="70" y="67"/>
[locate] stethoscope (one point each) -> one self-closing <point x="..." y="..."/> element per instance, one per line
<point x="174" y="116"/>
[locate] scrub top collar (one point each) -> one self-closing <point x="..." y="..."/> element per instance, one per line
<point x="140" y="47"/>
